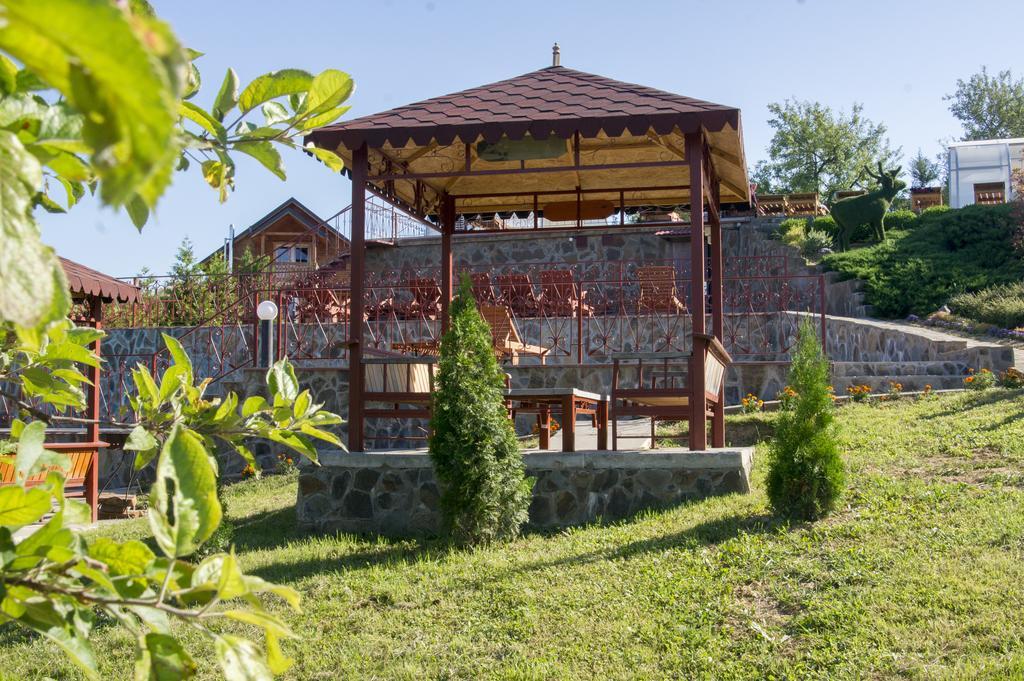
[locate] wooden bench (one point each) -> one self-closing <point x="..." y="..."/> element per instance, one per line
<point x="81" y="479"/>
<point x="657" y="385"/>
<point x="404" y="385"/>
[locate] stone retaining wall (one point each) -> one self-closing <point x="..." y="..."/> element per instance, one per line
<point x="397" y="494"/>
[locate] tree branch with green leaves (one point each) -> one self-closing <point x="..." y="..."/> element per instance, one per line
<point x="98" y="96"/>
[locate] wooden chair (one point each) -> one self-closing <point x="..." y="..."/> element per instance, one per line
<point x="559" y="295"/>
<point x="401" y="387"/>
<point x="426" y="298"/>
<point x="516" y="293"/>
<point x="658" y="290"/>
<point x="658" y="386"/>
<point x="507" y="341"/>
<point x="482" y="290"/>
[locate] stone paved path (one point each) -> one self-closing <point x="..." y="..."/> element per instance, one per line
<point x="586" y="435"/>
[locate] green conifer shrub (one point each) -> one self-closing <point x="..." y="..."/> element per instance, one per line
<point x="485" y="495"/>
<point x="805" y="472"/>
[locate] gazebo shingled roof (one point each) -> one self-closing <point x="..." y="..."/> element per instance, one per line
<point x="617" y="123"/>
<point x="85" y="281"/>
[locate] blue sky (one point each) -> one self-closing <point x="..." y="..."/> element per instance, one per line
<point x="898" y="58"/>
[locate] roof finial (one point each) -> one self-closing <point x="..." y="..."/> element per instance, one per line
<point x="556" y="55"/>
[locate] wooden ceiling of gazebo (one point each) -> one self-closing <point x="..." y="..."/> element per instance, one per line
<point x="618" y="143"/>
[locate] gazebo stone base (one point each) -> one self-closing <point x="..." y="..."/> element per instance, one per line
<point x="395" y="493"/>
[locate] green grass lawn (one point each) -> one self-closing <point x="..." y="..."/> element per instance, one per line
<point x="920" y="575"/>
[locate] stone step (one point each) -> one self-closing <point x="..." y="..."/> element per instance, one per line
<point x="883" y="369"/>
<point x="880" y="384"/>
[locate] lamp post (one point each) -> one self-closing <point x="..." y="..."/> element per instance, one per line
<point x="266" y="311"/>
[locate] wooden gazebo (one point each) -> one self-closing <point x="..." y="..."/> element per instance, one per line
<point x="89" y="290"/>
<point x="550" y="142"/>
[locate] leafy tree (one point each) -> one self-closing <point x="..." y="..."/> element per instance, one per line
<point x="101" y="100"/>
<point x="815" y="149"/>
<point x="484" y="495"/>
<point x="104" y="101"/>
<point x="923" y="171"/>
<point x="989" y="107"/>
<point x="805" y="472"/>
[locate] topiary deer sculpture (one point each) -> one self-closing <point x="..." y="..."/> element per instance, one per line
<point x="869" y="208"/>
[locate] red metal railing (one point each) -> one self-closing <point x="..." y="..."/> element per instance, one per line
<point x="579" y="313"/>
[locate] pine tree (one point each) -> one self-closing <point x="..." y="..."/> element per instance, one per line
<point x="484" y="492"/>
<point x="806" y="474"/>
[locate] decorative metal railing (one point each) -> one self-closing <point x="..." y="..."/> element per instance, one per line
<point x="559" y="313"/>
<point x="383" y="222"/>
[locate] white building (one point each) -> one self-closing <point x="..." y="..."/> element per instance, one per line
<point x="979" y="172"/>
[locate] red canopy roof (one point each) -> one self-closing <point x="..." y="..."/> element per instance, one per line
<point x="85" y="281"/>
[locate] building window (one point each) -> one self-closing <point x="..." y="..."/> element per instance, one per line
<point x="297" y="254"/>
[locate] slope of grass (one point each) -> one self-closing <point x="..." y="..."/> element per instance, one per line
<point x="919" y="575"/>
<point x="916" y="271"/>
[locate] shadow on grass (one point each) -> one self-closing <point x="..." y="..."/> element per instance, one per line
<point x="981" y="398"/>
<point x="707" y="533"/>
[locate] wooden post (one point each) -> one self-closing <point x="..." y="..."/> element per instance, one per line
<point x="355" y="324"/>
<point x="698" y="400"/>
<point x="717" y="315"/>
<point x="92" y="475"/>
<point x="447" y="258"/>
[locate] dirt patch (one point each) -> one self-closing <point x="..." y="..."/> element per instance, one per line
<point x="761" y="614"/>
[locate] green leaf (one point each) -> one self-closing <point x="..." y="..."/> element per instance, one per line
<point x="274" y="113"/>
<point x="178" y="353"/>
<point x="281" y="380"/>
<point x="138" y="211"/>
<point x="130" y="558"/>
<point x="295" y="441"/>
<point x="140" y="440"/>
<point x="227" y="96"/>
<point x="203" y="119"/>
<point x="324" y="435"/>
<point x="145" y="385"/>
<point x="33" y="290"/>
<point x="273" y="85"/>
<point x="8" y="75"/>
<point x="66" y="350"/>
<point x="253" y="404"/>
<point x="222" y="572"/>
<point x="241" y="660"/>
<point x="19" y="507"/>
<point x="184" y="509"/>
<point x="30" y="449"/>
<point x="263" y="619"/>
<point x="327" y="157"/>
<point x="326" y="118"/>
<point x="302" y="404"/>
<point x="124" y="76"/>
<point x="265" y="153"/>
<point x="159" y="657"/>
<point x="329" y="89"/>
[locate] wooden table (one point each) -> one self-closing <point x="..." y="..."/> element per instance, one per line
<point x="570" y="402"/>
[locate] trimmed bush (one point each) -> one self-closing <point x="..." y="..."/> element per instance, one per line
<point x="484" y="492"/>
<point x="1000" y="305"/>
<point x="934" y="211"/>
<point x="805" y="473"/>
<point x="948" y="252"/>
<point x="900" y="220"/>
